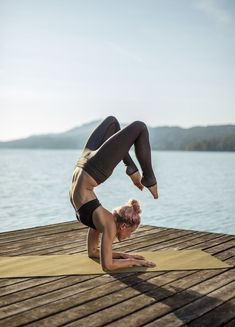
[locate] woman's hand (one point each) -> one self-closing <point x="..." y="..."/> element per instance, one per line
<point x="137" y="260"/>
<point x="131" y="256"/>
<point x="143" y="263"/>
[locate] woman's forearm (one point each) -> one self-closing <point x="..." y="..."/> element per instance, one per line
<point x="116" y="263"/>
<point x="121" y="263"/>
<point x="115" y="255"/>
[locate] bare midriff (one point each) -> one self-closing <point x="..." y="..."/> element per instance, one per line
<point x="81" y="189"/>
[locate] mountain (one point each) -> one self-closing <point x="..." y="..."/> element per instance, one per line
<point x="209" y="138"/>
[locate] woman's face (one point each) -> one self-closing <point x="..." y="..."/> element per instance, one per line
<point x="124" y="231"/>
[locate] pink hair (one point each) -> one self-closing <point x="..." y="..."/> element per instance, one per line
<point x="128" y="213"/>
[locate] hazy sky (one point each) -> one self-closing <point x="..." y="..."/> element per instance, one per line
<point x="65" y="63"/>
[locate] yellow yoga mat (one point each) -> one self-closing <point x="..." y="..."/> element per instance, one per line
<point x="80" y="264"/>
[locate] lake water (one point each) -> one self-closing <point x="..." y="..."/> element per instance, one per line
<point x="196" y="189"/>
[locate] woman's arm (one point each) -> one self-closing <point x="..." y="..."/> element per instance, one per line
<point x="93" y="246"/>
<point x="92" y="243"/>
<point x="108" y="263"/>
<point x="103" y="221"/>
<point x="94" y="251"/>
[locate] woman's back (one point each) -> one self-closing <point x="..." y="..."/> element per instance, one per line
<point x="81" y="188"/>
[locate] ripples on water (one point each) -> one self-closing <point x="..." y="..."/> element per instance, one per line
<point x="196" y="189"/>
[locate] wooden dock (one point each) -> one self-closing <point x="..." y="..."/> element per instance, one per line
<point x="173" y="298"/>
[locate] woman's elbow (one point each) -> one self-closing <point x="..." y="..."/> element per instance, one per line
<point x="107" y="267"/>
<point x="93" y="255"/>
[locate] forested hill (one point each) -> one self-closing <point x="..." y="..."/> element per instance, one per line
<point x="209" y="138"/>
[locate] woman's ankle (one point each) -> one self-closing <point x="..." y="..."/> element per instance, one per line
<point x="131" y="170"/>
<point x="148" y="182"/>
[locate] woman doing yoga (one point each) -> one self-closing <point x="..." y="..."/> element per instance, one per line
<point x="105" y="148"/>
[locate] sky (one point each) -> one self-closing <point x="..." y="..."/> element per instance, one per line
<point x="64" y="63"/>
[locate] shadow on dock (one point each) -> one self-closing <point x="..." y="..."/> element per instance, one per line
<point x="180" y="303"/>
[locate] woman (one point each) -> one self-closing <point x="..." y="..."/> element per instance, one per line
<point x="105" y="148"/>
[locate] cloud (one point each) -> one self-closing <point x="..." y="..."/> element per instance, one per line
<point x="215" y="10"/>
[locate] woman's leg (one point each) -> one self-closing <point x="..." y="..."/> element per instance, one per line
<point x="103" y="132"/>
<point x="116" y="147"/>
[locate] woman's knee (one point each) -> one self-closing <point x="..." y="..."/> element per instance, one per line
<point x="139" y="124"/>
<point x="111" y="119"/>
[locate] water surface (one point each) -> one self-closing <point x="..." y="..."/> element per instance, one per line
<point x="196" y="189"/>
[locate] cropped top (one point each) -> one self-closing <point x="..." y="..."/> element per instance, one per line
<point x="92" y="166"/>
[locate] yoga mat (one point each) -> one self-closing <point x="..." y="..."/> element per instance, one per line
<point x="80" y="264"/>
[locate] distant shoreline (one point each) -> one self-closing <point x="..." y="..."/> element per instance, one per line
<point x="73" y="149"/>
<point x="219" y="138"/>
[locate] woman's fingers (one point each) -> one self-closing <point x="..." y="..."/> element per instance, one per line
<point x="145" y="263"/>
<point x="132" y="256"/>
<point x="150" y="264"/>
<point x="125" y="256"/>
<point x="138" y="257"/>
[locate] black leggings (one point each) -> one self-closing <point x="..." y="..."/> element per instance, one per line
<point x="109" y="144"/>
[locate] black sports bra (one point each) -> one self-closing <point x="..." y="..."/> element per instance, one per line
<point x="84" y="213"/>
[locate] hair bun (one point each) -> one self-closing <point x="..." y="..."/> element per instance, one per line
<point x="128" y="213"/>
<point x="135" y="204"/>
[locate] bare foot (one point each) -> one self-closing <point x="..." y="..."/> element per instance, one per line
<point x="153" y="190"/>
<point x="136" y="179"/>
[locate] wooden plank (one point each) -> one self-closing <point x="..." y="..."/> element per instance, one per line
<point x="29" y="233"/>
<point x="65" y="298"/>
<point x="71" y="243"/>
<point x="44" y="230"/>
<point x="44" y="284"/>
<point x="216" y="317"/>
<point x="43" y="301"/>
<point x="153" y="301"/>
<point x="21" y="279"/>
<point x="118" y="292"/>
<point x="63" y="242"/>
<point x="166" y="301"/>
<point x="213" y="241"/>
<point x="20" y="248"/>
<point x="4" y="282"/>
<point x="159" y="237"/>
<point x="198" y="242"/>
<point x="54" y="250"/>
<point x="73" y="234"/>
<point x="231" y="323"/>
<point x="34" y="282"/>
<point x="199" y="307"/>
<point x="146" y="243"/>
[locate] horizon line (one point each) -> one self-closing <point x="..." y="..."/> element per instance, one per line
<point x="124" y="123"/>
